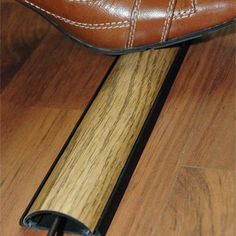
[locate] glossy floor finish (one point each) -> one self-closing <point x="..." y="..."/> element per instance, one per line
<point x="185" y="181"/>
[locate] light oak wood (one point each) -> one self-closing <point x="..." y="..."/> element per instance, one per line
<point x="197" y="123"/>
<point x="39" y="108"/>
<point x="203" y="202"/>
<point x="86" y="173"/>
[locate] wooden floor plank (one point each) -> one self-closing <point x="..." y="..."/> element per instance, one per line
<point x="21" y="33"/>
<point x="58" y="74"/>
<point x="202" y="203"/>
<point x="40" y="106"/>
<point x="186" y="107"/>
<point x="212" y="137"/>
<point x="31" y="139"/>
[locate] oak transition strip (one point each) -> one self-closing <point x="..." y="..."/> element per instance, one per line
<point x="82" y="180"/>
<point x="140" y="143"/>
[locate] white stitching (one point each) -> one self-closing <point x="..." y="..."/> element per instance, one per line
<point x="165" y="23"/>
<point x="83" y="1"/>
<point x="193" y="4"/>
<point x="135" y="14"/>
<point x="90" y="2"/>
<point x="180" y="14"/>
<point x="169" y="15"/>
<point x="107" y="25"/>
<point x="184" y="14"/>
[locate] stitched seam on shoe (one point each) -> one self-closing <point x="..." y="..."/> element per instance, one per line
<point x="184" y="14"/>
<point x="107" y="25"/>
<point x="180" y="14"/>
<point x="169" y="15"/>
<point x="84" y="1"/>
<point x="88" y="2"/>
<point x="135" y="14"/>
<point x="194" y="3"/>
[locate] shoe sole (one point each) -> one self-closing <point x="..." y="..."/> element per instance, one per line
<point x="117" y="52"/>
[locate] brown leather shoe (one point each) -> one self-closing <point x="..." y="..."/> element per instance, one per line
<point x="121" y="26"/>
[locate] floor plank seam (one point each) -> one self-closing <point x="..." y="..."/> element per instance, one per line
<point x="207" y="168"/>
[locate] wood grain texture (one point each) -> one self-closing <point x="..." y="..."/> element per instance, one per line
<point x="212" y="137"/>
<point x="58" y="74"/>
<point x="21" y="33"/>
<point x="39" y="108"/>
<point x="30" y="140"/>
<point x="202" y="203"/>
<point x="195" y="102"/>
<point x="86" y="173"/>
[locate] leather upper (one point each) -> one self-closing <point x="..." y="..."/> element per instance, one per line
<point x="118" y="24"/>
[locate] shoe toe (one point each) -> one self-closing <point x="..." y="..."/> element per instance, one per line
<point x="118" y="25"/>
<point x="200" y="15"/>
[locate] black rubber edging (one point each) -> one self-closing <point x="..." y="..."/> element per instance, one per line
<point x="139" y="145"/>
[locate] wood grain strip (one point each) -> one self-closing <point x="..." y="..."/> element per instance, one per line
<point x="86" y="173"/>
